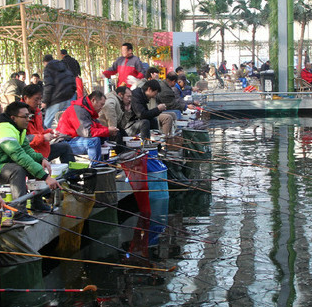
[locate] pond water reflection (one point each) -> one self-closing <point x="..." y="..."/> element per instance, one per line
<point x="258" y="220"/>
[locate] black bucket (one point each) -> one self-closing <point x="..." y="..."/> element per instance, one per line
<point x="105" y="184"/>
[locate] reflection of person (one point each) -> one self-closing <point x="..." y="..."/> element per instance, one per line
<point x="80" y="127"/>
<point x="18" y="160"/>
<point x="126" y="65"/>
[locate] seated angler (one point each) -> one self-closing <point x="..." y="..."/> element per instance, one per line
<point x="117" y="112"/>
<point x="18" y="160"/>
<point x="165" y="119"/>
<point x="39" y="137"/>
<point x="145" y="119"/>
<point x="168" y="96"/>
<point x="171" y="96"/>
<point x="80" y="127"/>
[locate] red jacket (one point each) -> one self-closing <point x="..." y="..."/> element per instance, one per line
<point x="306" y="75"/>
<point x="80" y="119"/>
<point x="35" y="135"/>
<point x="125" y="67"/>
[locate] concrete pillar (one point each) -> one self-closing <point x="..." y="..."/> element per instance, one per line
<point x="117" y="10"/>
<point x="125" y="11"/>
<point x="144" y="10"/>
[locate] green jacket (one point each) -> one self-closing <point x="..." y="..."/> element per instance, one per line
<point x="15" y="148"/>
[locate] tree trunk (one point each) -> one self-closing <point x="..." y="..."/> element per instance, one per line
<point x="222" y="44"/>
<point x="253" y="43"/>
<point x="300" y="47"/>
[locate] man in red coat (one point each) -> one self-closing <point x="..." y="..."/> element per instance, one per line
<point x="126" y="65"/>
<point x="80" y="127"/>
<point x="306" y="73"/>
<point x="40" y="138"/>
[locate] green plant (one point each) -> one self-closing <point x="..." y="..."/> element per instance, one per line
<point x="191" y="56"/>
<point x="193" y="78"/>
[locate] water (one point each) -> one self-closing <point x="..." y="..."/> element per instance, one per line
<point x="259" y="215"/>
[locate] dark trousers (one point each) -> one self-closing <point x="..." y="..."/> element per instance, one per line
<point x="15" y="175"/>
<point x="143" y="126"/>
<point x="63" y="151"/>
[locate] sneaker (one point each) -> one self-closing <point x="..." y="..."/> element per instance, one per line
<point x="7" y="218"/>
<point x="26" y="220"/>
<point x="39" y="205"/>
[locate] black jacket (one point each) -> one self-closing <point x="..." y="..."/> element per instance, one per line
<point x="139" y="103"/>
<point x="72" y="64"/>
<point x="59" y="83"/>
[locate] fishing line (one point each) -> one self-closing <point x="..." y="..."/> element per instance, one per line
<point x="121" y="226"/>
<point x="137" y="215"/>
<point x="127" y="254"/>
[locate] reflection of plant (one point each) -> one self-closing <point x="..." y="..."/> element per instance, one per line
<point x="191" y="56"/>
<point x="161" y="53"/>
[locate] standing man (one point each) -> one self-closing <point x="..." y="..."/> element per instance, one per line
<point x="59" y="88"/>
<point x="71" y="63"/>
<point x="12" y="89"/>
<point x="80" y="127"/>
<point x="145" y="118"/>
<point x="18" y="160"/>
<point x="126" y="65"/>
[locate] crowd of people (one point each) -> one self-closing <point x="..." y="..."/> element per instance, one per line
<point x="243" y="73"/>
<point x="50" y="119"/>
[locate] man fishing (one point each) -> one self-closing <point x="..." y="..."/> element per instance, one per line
<point x="18" y="160"/>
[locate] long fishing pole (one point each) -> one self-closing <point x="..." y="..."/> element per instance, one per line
<point x="178" y="146"/>
<point x="120" y="225"/>
<point x="92" y="288"/>
<point x="127" y="266"/>
<point x="82" y="235"/>
<point x="142" y="173"/>
<point x="139" y="216"/>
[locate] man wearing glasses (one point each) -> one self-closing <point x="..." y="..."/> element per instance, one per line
<point x="18" y="160"/>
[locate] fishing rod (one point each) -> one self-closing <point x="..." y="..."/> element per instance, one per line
<point x="92" y="288"/>
<point x="81" y="235"/>
<point x="143" y="191"/>
<point x="138" y="215"/>
<point x="127" y="266"/>
<point x="120" y="225"/>
<point x="178" y="146"/>
<point x="142" y="173"/>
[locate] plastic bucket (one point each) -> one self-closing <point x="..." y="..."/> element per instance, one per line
<point x="5" y="192"/>
<point x="58" y="169"/>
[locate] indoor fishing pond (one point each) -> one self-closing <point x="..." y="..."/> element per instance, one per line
<point x="241" y="237"/>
